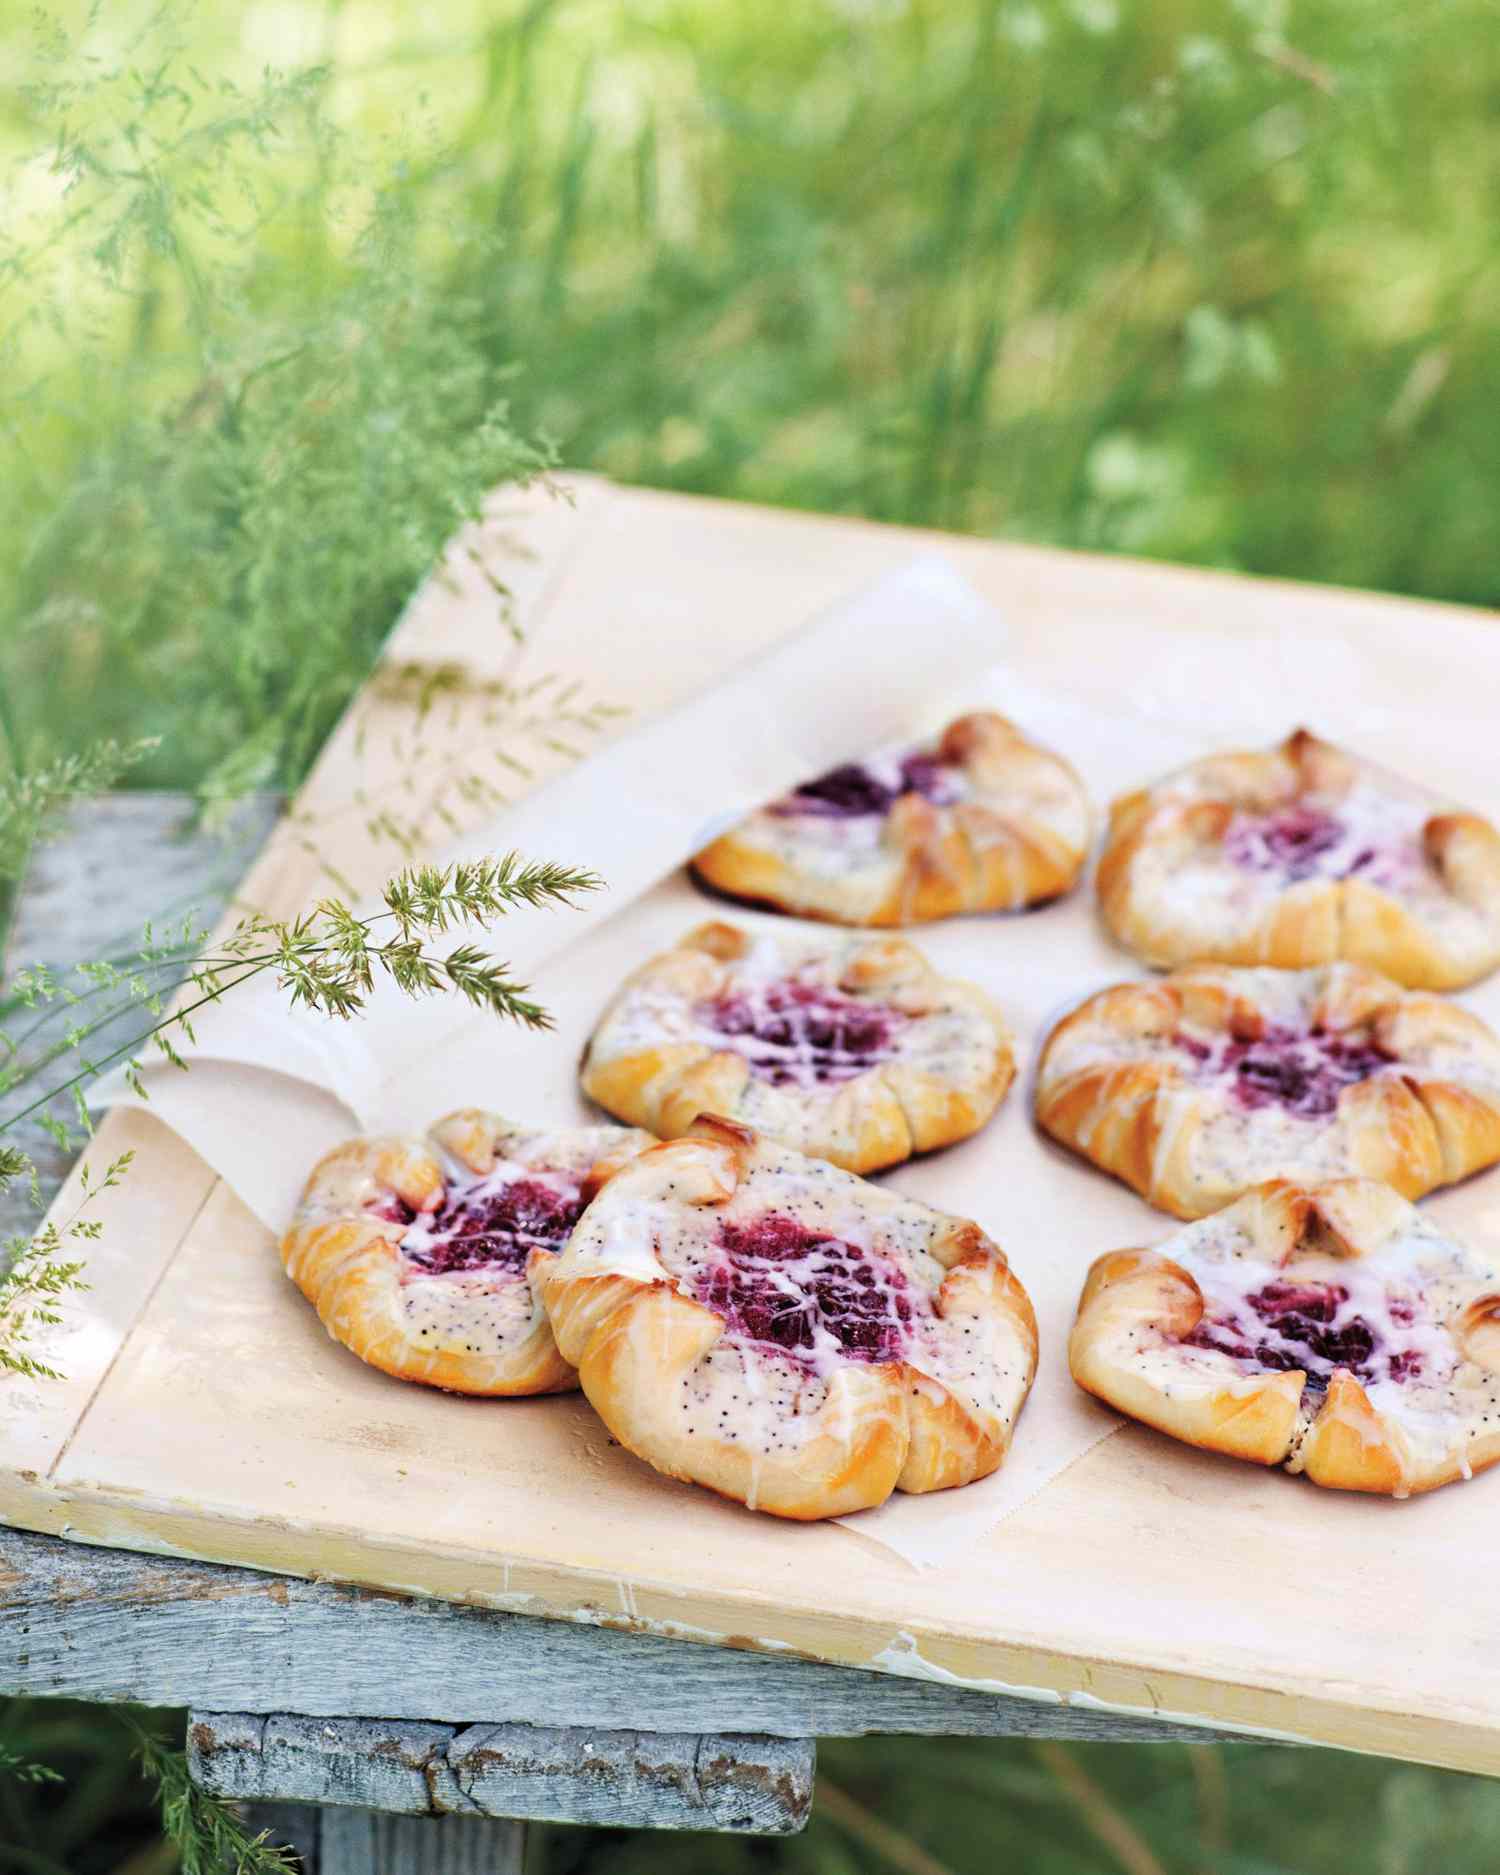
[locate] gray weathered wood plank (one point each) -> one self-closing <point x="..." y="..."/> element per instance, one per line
<point x="107" y="1624"/>
<point x="633" y="1780"/>
<point x="358" y="1842"/>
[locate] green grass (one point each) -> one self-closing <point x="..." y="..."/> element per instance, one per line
<point x="1211" y="282"/>
<point x="1202" y="281"/>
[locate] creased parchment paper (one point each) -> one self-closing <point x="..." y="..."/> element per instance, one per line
<point x="270" y="1090"/>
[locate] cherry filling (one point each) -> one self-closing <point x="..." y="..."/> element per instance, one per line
<point x="1303" y="1072"/>
<point x="780" y="1284"/>
<point x="842" y="793"/>
<point x="932" y="779"/>
<point x="854" y="791"/>
<point x="1309" y="1327"/>
<point x="491" y="1224"/>
<point x="801" y="1034"/>
<point x="1300" y="842"/>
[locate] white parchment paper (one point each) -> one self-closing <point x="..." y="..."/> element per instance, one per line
<point x="271" y="1090"/>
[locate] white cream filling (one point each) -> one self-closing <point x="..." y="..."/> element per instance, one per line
<point x="1381" y="815"/>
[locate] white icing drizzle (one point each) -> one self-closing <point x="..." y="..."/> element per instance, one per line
<point x="814" y="1054"/>
<point x="1399" y="1308"/>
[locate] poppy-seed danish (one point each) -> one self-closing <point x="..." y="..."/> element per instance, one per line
<point x="785" y="1333"/>
<point x="1303" y="854"/>
<point x="852" y="1049"/>
<point x="1199" y="1084"/>
<point x="424" y="1256"/>
<point x="981" y="819"/>
<point x="1330" y="1328"/>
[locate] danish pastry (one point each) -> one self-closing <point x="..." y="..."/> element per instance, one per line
<point x="424" y="1257"/>
<point x="981" y="820"/>
<point x="780" y="1331"/>
<point x="855" y="1051"/>
<point x="1303" y="854"/>
<point x="1329" y="1328"/>
<point x="1194" y="1087"/>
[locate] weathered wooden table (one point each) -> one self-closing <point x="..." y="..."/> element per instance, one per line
<point x="477" y="1720"/>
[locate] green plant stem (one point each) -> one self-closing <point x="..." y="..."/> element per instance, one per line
<point x="8" y="731"/>
<point x="76" y="999"/>
<point x="72" y="1044"/>
<point x="892" y="1845"/>
<point x="94" y="1069"/>
<point x="1106" y="1821"/>
<point x="10" y="890"/>
<point x="1211" y="1787"/>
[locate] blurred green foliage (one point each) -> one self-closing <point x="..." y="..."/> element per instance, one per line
<point x="940" y="1807"/>
<point x="1202" y="279"/>
<point x="1212" y="280"/>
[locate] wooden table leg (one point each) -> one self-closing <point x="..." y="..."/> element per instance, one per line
<point x="365" y="1842"/>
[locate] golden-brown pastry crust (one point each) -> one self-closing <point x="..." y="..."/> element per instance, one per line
<point x="793" y="1338"/>
<point x="1196" y="1086"/>
<point x="853" y="1050"/>
<point x="372" y="1247"/>
<point x="1328" y="1327"/>
<point x="1002" y="824"/>
<point x="1302" y="854"/>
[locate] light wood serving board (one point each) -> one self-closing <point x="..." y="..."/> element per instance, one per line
<point x="206" y="1414"/>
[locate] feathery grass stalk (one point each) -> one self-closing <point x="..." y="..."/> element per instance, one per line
<point x="26" y="1770"/>
<point x="37" y="1273"/>
<point x="327" y="960"/>
<point x="207" y="1833"/>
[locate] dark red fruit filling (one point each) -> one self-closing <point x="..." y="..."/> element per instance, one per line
<point x="927" y="776"/>
<point x="800" y="1033"/>
<point x="1305" y="1332"/>
<point x="1298" y="842"/>
<point x="778" y="1283"/>
<point x="843" y="793"/>
<point x="852" y="791"/>
<point x="1303" y="1072"/>
<point x="491" y="1226"/>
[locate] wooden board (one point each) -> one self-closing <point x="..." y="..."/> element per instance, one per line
<point x="205" y="1414"/>
<point x="726" y="1782"/>
<point x="119" y="1627"/>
